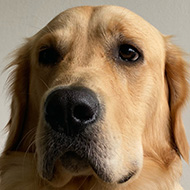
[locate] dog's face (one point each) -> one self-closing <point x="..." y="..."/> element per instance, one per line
<point x="102" y="72"/>
<point x="97" y="80"/>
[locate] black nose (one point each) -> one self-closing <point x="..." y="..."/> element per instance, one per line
<point x="70" y="110"/>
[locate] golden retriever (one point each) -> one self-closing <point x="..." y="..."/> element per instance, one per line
<point x="96" y="105"/>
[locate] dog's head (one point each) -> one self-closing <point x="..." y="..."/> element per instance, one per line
<point x="98" y="89"/>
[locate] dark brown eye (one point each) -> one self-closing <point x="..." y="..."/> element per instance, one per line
<point x="49" y="56"/>
<point x="128" y="53"/>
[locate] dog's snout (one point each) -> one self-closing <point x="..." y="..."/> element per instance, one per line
<point x="70" y="110"/>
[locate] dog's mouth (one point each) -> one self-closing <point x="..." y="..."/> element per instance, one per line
<point x="80" y="163"/>
<point x="74" y="163"/>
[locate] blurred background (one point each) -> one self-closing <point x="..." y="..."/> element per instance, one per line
<point x="23" y="18"/>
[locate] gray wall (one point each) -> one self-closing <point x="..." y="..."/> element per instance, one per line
<point x="23" y="18"/>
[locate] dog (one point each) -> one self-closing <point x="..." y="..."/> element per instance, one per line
<point x="96" y="104"/>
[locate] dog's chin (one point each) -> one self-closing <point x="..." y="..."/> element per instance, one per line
<point x="77" y="165"/>
<point x="74" y="163"/>
<point x="67" y="167"/>
<point x="70" y="165"/>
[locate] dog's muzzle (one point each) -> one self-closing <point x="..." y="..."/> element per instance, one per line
<point x="70" y="110"/>
<point x="73" y="136"/>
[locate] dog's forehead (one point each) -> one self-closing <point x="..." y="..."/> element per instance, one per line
<point x="83" y="20"/>
<point x="109" y="17"/>
<point x="80" y="24"/>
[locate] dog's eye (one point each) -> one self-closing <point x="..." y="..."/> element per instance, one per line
<point x="128" y="53"/>
<point x="49" y="56"/>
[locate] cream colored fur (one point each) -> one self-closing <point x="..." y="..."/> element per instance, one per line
<point x="142" y="125"/>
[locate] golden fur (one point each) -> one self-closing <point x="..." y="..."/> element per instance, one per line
<point x="143" y="103"/>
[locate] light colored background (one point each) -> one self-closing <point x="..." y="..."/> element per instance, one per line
<point x="23" y="18"/>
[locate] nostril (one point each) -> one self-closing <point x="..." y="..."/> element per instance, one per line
<point x="83" y="113"/>
<point x="71" y="110"/>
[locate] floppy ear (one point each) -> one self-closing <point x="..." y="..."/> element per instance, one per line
<point x="19" y="84"/>
<point x="176" y="74"/>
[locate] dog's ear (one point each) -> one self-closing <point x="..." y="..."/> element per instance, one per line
<point x="176" y="75"/>
<point x="19" y="84"/>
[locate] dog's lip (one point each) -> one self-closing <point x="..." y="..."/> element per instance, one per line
<point x="126" y="177"/>
<point x="48" y="168"/>
<point x="100" y="170"/>
<point x="49" y="165"/>
<point x="85" y="163"/>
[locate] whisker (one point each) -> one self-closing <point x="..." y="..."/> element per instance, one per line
<point x="93" y="186"/>
<point x="85" y="179"/>
<point x="45" y="84"/>
<point x="34" y="142"/>
<point x="27" y="151"/>
<point x="31" y="131"/>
